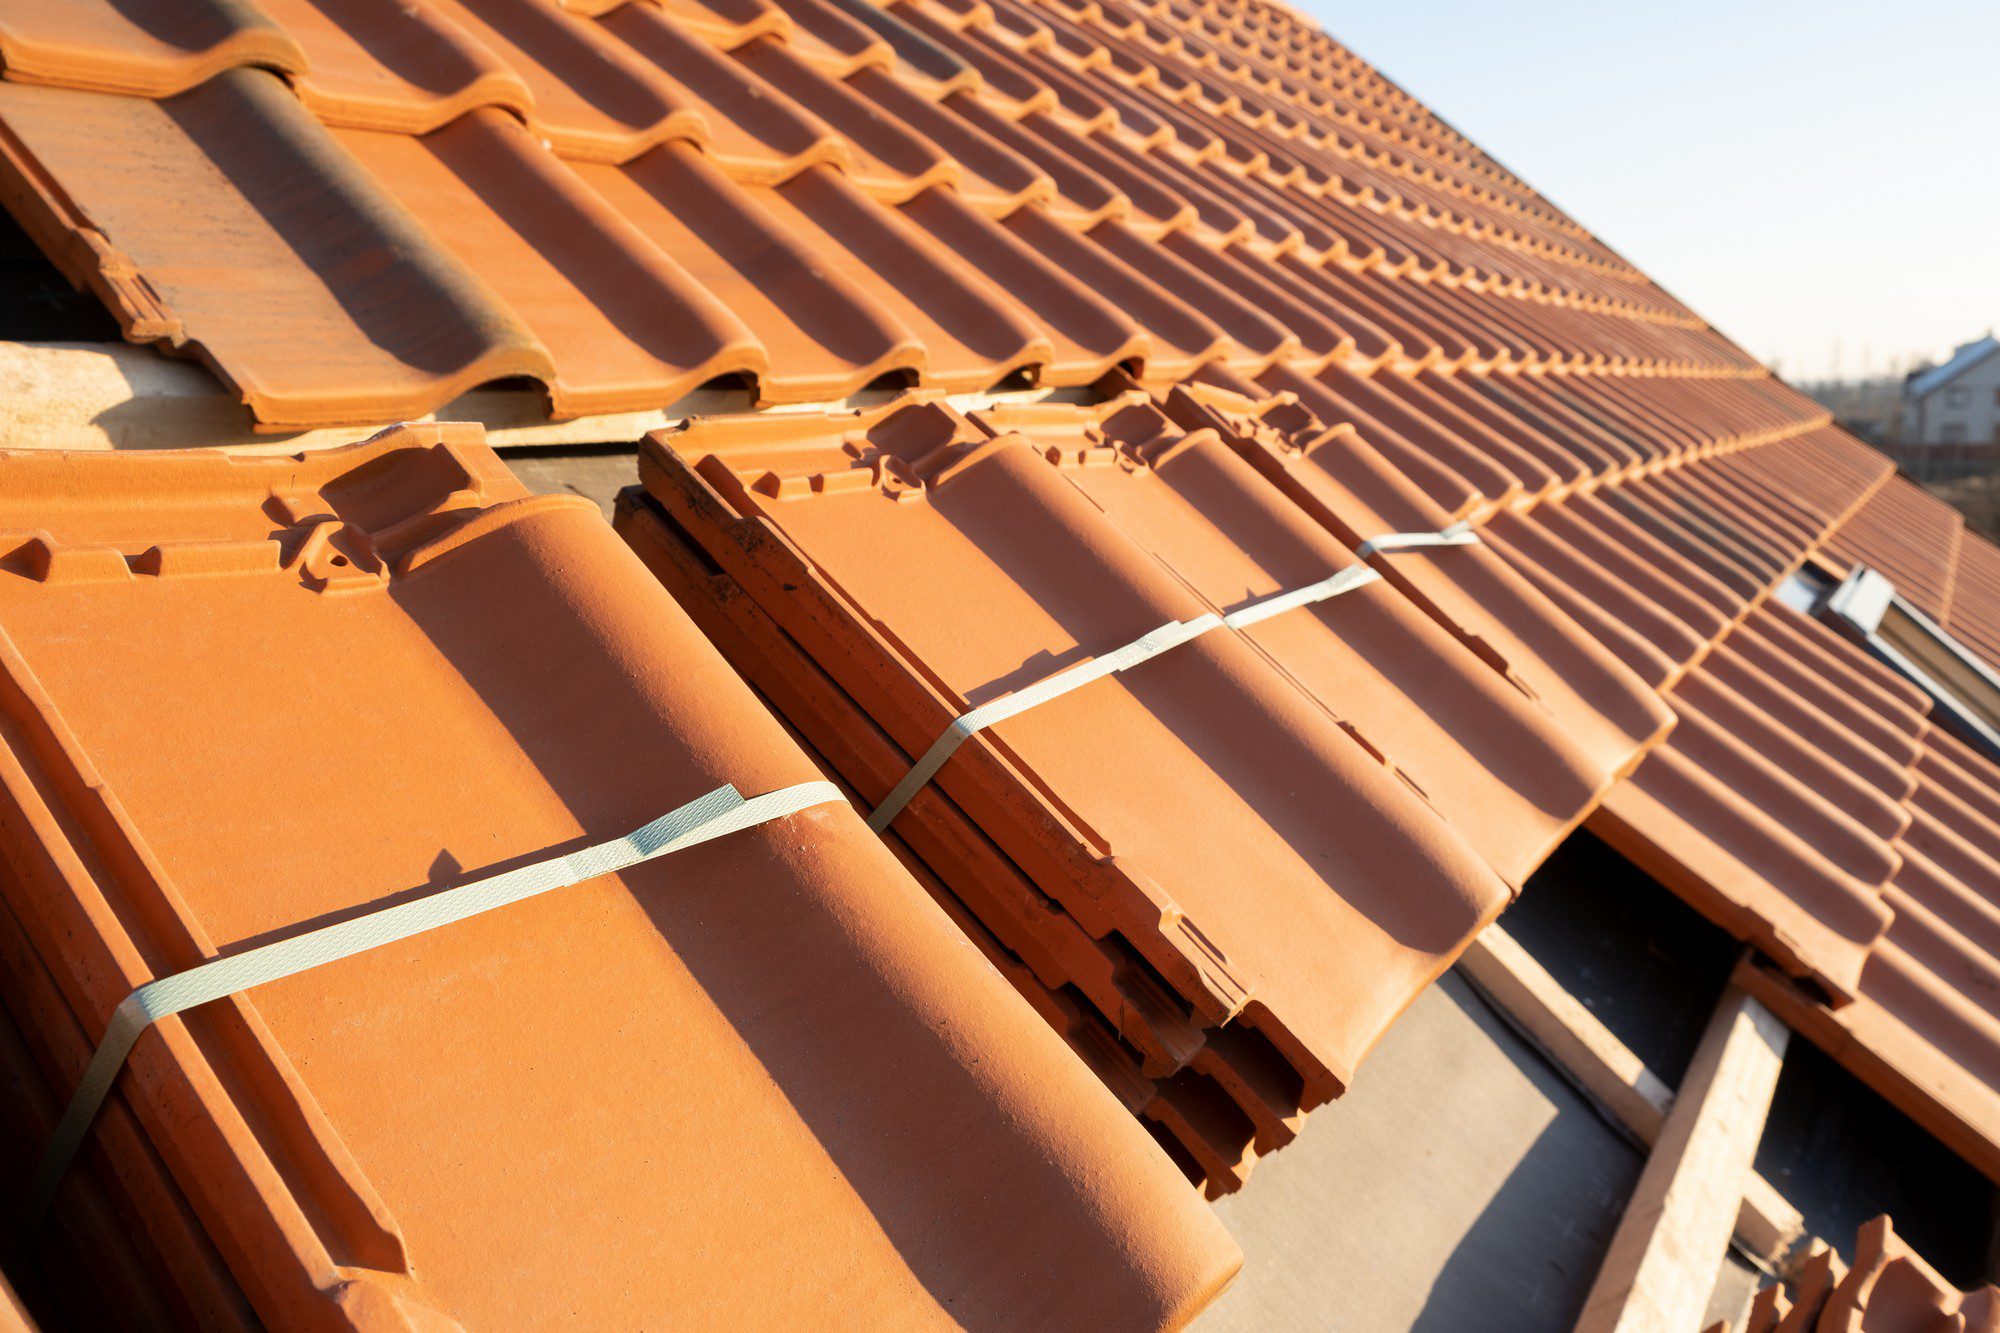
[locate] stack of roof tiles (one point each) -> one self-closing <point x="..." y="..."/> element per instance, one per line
<point x="753" y="1082"/>
<point x="1279" y="309"/>
<point x="1889" y="1289"/>
<point x="1247" y="855"/>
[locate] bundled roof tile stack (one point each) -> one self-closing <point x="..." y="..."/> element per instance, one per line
<point x="750" y="1082"/>
<point x="1176" y="845"/>
<point x="1889" y="1289"/>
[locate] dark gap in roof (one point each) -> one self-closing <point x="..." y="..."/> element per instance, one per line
<point x="1647" y="965"/>
<point x="37" y="303"/>
<point x="736" y="381"/>
<point x="1021" y="377"/>
<point x="597" y="472"/>
<point x="560" y="452"/>
<point x="891" y="381"/>
<point x="1843" y="1155"/>
<point x="1179" y="1155"/>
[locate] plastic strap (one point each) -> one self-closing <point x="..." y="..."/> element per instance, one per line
<point x="1149" y="645"/>
<point x="1458" y="534"/>
<point x="721" y="812"/>
<point x="1354" y="576"/>
<point x="1170" y="635"/>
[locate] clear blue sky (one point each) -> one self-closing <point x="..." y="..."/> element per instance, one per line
<point x="1801" y="172"/>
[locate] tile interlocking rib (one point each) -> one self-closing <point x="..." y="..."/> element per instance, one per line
<point x="749" y="1083"/>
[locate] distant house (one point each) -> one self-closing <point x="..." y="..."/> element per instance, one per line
<point x="1956" y="402"/>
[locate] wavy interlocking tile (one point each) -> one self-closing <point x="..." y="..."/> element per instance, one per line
<point x="729" y="23"/>
<point x="994" y="177"/>
<point x="830" y="1069"/>
<point x="1088" y="333"/>
<point x="972" y="331"/>
<point x="1477" y="748"/>
<point x="941" y="555"/>
<point x="884" y="156"/>
<point x="822" y="337"/>
<point x="394" y="67"/>
<point x="594" y="98"/>
<point x="334" y="304"/>
<point x="1179" y="337"/>
<point x="626" y="326"/>
<point x="755" y="132"/>
<point x="1201" y="185"/>
<point x="1337" y="475"/>
<point x="150" y="50"/>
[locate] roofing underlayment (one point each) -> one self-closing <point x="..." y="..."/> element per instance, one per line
<point x="1168" y="309"/>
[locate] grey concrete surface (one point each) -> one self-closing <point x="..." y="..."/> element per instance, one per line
<point x="1460" y="1185"/>
<point x="595" y="474"/>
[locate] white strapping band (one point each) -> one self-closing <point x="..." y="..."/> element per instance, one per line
<point x="720" y="812"/>
<point x="1458" y="534"/>
<point x="1354" y="576"/>
<point x="1170" y="635"/>
<point x="1148" y="645"/>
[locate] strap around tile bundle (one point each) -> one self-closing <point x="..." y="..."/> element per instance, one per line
<point x="1354" y="576"/>
<point x="1170" y="635"/>
<point x="1458" y="534"/>
<point x="721" y="812"/>
<point x="1147" y="646"/>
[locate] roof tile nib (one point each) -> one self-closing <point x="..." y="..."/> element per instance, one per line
<point x="761" y="1078"/>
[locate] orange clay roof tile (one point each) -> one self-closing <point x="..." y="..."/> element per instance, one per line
<point x="1804" y="799"/>
<point x="1185" y="201"/>
<point x="1303" y="311"/>
<point x="1888" y="1287"/>
<point x="932" y="564"/>
<point x="744" y="1083"/>
<point x="152" y="51"/>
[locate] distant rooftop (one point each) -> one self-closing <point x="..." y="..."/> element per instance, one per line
<point x="1961" y="360"/>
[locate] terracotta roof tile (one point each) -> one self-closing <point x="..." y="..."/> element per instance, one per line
<point x="1289" y="310"/>
<point x="1156" y="164"/>
<point x="936" y="564"/>
<point x="1888" y="1286"/>
<point x="165" y="49"/>
<point x="831" y="1073"/>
